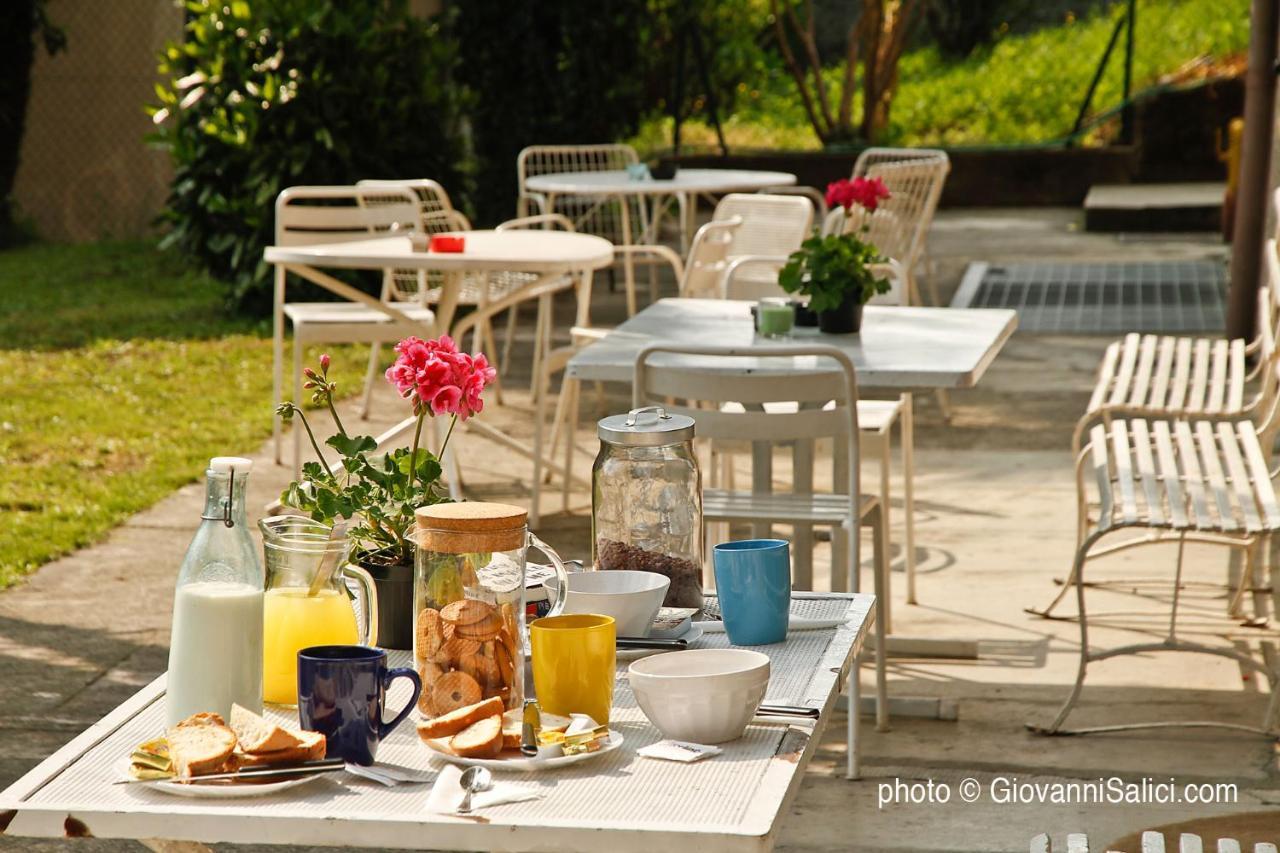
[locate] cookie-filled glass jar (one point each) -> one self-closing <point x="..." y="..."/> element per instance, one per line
<point x="646" y="500"/>
<point x="469" y="580"/>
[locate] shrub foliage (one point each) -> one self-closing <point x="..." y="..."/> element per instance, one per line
<point x="266" y="94"/>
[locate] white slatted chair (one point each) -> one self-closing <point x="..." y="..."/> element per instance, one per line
<point x="1153" y="842"/>
<point x="1174" y="481"/>
<point x="1176" y="377"/>
<point x="827" y="409"/>
<point x="320" y="214"/>
<point x="1163" y="376"/>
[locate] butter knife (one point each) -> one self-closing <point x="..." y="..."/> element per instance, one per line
<point x="327" y="765"/>
<point x="529" y="725"/>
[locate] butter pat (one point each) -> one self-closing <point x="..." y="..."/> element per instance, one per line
<point x="679" y="750"/>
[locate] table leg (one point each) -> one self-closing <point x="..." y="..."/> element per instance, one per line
<point x="906" y="434"/>
<point x="762" y="481"/>
<point x="802" y="534"/>
<point x="628" y="265"/>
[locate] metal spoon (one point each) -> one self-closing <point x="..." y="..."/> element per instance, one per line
<point x="473" y="779"/>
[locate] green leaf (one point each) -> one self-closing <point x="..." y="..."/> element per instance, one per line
<point x="351" y="445"/>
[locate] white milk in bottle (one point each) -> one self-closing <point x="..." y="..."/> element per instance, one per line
<point x="215" y="650"/>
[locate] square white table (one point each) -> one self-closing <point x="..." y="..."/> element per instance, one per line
<point x="618" y="802"/>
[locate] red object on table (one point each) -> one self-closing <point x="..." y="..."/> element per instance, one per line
<point x="447" y="243"/>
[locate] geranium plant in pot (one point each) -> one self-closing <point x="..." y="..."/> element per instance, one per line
<point x="377" y="493"/>
<point x="835" y="270"/>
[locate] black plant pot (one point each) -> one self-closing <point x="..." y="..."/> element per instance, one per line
<point x="844" y="320"/>
<point x="804" y="317"/>
<point x="395" y="604"/>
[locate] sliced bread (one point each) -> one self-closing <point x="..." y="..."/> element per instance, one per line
<point x="455" y="721"/>
<point x="258" y="734"/>
<point x="202" y="743"/>
<point x="482" y="739"/>
<point x="311" y="747"/>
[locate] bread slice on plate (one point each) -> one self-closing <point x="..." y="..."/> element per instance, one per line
<point x="482" y="739"/>
<point x="258" y="734"/>
<point x="513" y="726"/>
<point x="455" y="721"/>
<point x="311" y="747"/>
<point x="202" y="743"/>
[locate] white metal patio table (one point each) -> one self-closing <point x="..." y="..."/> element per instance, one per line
<point x="685" y="187"/>
<point x="547" y="254"/>
<point x="618" y="802"/>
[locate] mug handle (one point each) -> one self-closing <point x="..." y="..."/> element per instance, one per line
<point x="384" y="728"/>
<point x="368" y="601"/>
<point x="562" y="574"/>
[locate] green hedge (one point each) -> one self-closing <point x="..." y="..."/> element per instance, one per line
<point x="266" y="94"/>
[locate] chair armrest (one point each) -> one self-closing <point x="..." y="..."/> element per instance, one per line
<point x="527" y="199"/>
<point x="662" y="253"/>
<point x="543" y="219"/>
<point x="811" y="193"/>
<point x="727" y="288"/>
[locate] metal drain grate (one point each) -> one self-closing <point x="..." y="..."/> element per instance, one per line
<point x="1101" y="298"/>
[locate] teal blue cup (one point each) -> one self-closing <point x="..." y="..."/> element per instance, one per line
<point x="753" y="583"/>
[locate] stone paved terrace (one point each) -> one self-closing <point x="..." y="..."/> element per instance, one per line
<point x="995" y="525"/>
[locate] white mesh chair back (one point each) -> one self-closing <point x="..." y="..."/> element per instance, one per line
<point x="589" y="214"/>
<point x="437" y="216"/>
<point x="915" y="177"/>
<point x="708" y="259"/>
<point x="772" y="227"/>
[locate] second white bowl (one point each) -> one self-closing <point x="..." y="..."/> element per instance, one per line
<point x="631" y="598"/>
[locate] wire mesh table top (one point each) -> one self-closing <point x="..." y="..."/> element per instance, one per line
<point x="724" y="802"/>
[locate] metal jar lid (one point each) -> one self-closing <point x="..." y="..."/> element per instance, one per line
<point x="649" y="426"/>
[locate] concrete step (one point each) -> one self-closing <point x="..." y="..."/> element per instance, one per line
<point x="1154" y="207"/>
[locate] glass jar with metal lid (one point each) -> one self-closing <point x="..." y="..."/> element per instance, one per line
<point x="646" y="500"/>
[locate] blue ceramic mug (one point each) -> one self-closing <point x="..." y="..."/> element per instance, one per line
<point x="753" y="584"/>
<point x="341" y="694"/>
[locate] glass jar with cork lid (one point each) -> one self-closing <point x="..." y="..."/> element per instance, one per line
<point x="646" y="500"/>
<point x="469" y="582"/>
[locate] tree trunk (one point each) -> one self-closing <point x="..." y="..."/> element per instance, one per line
<point x="17" y="50"/>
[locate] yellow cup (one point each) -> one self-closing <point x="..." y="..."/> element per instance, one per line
<point x="573" y="664"/>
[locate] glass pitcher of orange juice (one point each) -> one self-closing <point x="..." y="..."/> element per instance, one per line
<point x="307" y="602"/>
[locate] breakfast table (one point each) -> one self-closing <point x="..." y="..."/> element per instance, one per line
<point x="685" y="187"/>
<point x="617" y="801"/>
<point x="552" y="256"/>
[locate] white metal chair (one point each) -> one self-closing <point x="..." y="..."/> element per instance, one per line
<point x="773" y="226"/>
<point x="826" y="408"/>
<point x="622" y="221"/>
<point x="1174" y="481"/>
<point x="1162" y="377"/>
<point x="329" y="214"/>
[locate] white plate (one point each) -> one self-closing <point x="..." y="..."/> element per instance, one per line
<point x="221" y="790"/>
<point x="520" y="763"/>
<point x="691" y="634"/>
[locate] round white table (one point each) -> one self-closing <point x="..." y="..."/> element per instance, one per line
<point x="684" y="187"/>
<point x="559" y="259"/>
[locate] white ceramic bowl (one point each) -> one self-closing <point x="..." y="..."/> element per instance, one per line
<point x="701" y="695"/>
<point x="631" y="598"/>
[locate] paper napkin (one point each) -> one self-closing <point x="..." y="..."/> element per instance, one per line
<point x="447" y="792"/>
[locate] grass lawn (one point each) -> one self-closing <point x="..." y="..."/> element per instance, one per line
<point x="1025" y="88"/>
<point x="120" y="376"/>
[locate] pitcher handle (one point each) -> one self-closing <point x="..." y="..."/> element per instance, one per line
<point x="562" y="574"/>
<point x="369" y="602"/>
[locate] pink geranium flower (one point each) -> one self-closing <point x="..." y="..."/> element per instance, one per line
<point x="438" y="378"/>
<point x="864" y="192"/>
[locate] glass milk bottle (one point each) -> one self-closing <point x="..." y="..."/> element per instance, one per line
<point x="215" y="651"/>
